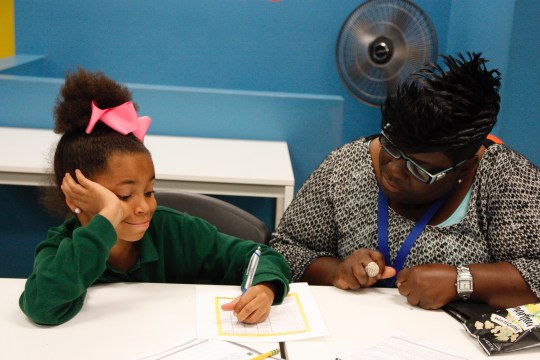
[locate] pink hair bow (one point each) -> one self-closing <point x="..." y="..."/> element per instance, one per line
<point x="122" y="118"/>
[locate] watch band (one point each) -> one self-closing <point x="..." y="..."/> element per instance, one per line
<point x="464" y="282"/>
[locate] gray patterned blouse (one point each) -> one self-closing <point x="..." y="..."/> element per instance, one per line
<point x="335" y="213"/>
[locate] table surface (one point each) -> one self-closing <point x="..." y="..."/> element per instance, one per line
<point x="203" y="165"/>
<point x="131" y="320"/>
<point x="356" y="320"/>
<point x="118" y="321"/>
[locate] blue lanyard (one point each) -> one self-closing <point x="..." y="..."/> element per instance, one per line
<point x="411" y="238"/>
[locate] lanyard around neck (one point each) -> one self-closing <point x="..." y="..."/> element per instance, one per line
<point x="404" y="250"/>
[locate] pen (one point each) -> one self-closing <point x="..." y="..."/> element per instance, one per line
<point x="252" y="268"/>
<point x="266" y="355"/>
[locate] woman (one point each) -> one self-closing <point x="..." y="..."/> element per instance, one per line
<point x="430" y="198"/>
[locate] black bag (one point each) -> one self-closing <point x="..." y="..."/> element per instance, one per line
<point x="499" y="330"/>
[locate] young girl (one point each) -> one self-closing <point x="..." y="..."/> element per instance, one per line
<point x="105" y="176"/>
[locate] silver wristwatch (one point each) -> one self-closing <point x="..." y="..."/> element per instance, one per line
<point x="464" y="282"/>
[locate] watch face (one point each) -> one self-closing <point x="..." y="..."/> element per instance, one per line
<point x="465" y="285"/>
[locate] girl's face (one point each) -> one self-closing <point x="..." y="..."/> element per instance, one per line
<point x="131" y="177"/>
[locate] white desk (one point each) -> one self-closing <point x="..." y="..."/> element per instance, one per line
<point x="202" y="165"/>
<point x="131" y="320"/>
<point x="357" y="320"/>
<point x="118" y="321"/>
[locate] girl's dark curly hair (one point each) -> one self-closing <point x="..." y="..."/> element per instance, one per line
<point x="76" y="149"/>
<point x="451" y="111"/>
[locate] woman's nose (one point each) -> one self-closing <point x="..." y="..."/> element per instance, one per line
<point x="397" y="168"/>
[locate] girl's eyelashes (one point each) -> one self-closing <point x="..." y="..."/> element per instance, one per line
<point x="126" y="197"/>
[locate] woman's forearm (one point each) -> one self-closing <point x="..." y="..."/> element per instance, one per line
<point x="500" y="285"/>
<point x="321" y="271"/>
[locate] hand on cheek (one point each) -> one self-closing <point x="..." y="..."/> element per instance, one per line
<point x="92" y="198"/>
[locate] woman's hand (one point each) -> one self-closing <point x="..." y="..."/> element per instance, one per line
<point x="430" y="286"/>
<point x="91" y="198"/>
<point x="253" y="306"/>
<point x="351" y="272"/>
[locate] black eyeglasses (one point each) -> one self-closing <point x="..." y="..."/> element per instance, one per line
<point x="418" y="171"/>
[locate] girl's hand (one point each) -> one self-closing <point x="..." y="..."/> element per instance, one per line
<point x="253" y="306"/>
<point x="91" y="198"/>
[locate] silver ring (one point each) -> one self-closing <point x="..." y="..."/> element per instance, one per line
<point x="77" y="211"/>
<point x="372" y="269"/>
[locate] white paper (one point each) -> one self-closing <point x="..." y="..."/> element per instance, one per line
<point x="205" y="349"/>
<point x="298" y="317"/>
<point x="398" y="347"/>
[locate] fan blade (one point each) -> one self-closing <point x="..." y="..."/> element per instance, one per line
<point x="398" y="15"/>
<point x="380" y="44"/>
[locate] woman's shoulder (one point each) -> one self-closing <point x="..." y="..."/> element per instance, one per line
<point x="354" y="153"/>
<point x="502" y="158"/>
<point x="502" y="167"/>
<point x="358" y="145"/>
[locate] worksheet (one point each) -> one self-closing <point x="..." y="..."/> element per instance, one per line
<point x="400" y="347"/>
<point x="298" y="317"/>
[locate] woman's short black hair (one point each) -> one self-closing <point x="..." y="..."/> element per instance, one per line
<point x="449" y="110"/>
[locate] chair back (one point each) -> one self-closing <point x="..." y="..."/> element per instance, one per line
<point x="495" y="139"/>
<point x="227" y="218"/>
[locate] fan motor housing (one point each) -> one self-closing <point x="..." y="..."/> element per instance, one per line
<point x="381" y="50"/>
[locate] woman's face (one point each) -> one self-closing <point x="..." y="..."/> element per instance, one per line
<point x="131" y="177"/>
<point x="401" y="186"/>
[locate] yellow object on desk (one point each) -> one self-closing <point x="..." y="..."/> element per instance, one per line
<point x="266" y="355"/>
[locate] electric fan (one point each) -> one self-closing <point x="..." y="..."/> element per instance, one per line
<point x="380" y="44"/>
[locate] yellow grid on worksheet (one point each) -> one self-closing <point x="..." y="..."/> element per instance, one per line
<point x="291" y="296"/>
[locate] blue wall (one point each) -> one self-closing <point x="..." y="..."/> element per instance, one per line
<point x="286" y="46"/>
<point x="521" y="128"/>
<point x="472" y="24"/>
<point x="506" y="31"/>
<point x="256" y="69"/>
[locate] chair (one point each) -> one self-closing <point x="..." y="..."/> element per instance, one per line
<point x="494" y="138"/>
<point x="227" y="218"/>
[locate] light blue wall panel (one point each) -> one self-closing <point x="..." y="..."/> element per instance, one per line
<point x="311" y="124"/>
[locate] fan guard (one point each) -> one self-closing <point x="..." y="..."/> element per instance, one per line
<point x="380" y="44"/>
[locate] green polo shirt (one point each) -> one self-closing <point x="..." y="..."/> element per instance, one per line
<point x="176" y="248"/>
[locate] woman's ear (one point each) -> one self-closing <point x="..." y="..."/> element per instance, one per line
<point x="469" y="164"/>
